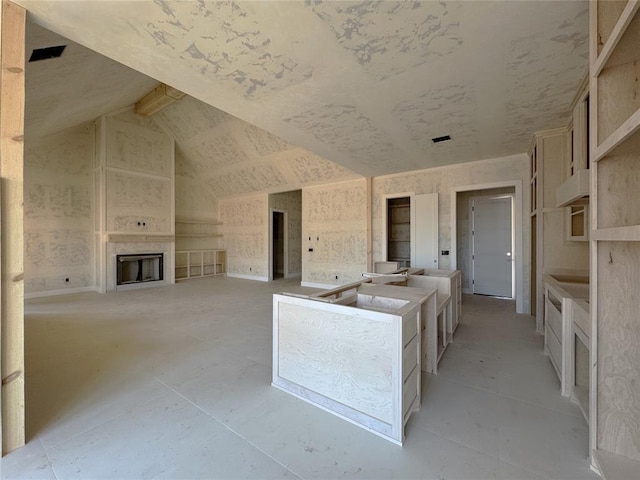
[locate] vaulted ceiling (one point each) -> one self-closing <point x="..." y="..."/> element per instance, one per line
<point x="364" y="84"/>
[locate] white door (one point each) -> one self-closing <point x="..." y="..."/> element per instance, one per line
<point x="492" y="254"/>
<point x="424" y="230"/>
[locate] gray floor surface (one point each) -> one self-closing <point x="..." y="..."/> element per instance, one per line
<point x="174" y="382"/>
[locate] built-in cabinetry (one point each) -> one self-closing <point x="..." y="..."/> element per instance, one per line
<point x="547" y="157"/>
<point x="197" y="249"/>
<point x="356" y="355"/>
<point x="573" y="193"/>
<point x="615" y="237"/>
<point x="566" y="333"/>
<point x="200" y="263"/>
<point x="399" y="230"/>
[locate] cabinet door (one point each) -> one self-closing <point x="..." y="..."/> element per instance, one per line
<point x="424" y="231"/>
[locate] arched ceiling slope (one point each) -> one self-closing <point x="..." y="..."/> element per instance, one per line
<point x="77" y="87"/>
<point x="222" y="155"/>
<point x="234" y="157"/>
<point x="364" y="84"/>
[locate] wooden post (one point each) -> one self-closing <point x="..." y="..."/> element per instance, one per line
<point x="369" y="221"/>
<point x="12" y="98"/>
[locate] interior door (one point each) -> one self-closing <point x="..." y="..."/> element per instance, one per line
<point x="492" y="254"/>
<point x="424" y="230"/>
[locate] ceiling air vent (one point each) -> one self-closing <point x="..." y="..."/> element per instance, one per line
<point x="445" y="138"/>
<point x="46" y="53"/>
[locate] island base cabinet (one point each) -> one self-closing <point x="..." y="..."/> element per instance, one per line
<point x="359" y="361"/>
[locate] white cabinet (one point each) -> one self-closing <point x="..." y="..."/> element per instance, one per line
<point x="359" y="360"/>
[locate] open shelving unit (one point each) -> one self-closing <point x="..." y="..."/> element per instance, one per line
<point x="615" y="238"/>
<point x="200" y="263"/>
<point x="197" y="250"/>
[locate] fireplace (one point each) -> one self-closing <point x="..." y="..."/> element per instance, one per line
<point x="139" y="268"/>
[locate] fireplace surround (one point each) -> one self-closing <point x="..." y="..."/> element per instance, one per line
<point x="139" y="268"/>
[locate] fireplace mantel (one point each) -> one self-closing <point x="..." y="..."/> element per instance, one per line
<point x="136" y="238"/>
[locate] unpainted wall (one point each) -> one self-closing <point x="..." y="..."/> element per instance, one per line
<point x="245" y="230"/>
<point x="136" y="172"/>
<point x="58" y="211"/>
<point x="291" y="202"/>
<point x="442" y="180"/>
<point x="334" y="233"/>
<point x="139" y="178"/>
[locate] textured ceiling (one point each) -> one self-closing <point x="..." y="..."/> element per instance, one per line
<point x="364" y="84"/>
<point x="226" y="155"/>
<point x="75" y="88"/>
<point x="234" y="157"/>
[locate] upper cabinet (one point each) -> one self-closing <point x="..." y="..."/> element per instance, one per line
<point x="575" y="189"/>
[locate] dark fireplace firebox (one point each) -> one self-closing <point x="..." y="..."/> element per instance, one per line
<point x="139" y="268"/>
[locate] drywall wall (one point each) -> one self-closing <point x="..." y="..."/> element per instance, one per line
<point x="291" y="202"/>
<point x="334" y="233"/>
<point x="245" y="230"/>
<point x="443" y="180"/>
<point x="58" y="211"/>
<point x="463" y="229"/>
<point x="135" y="170"/>
<point x="139" y="178"/>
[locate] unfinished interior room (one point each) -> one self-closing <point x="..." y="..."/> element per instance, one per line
<point x="320" y="239"/>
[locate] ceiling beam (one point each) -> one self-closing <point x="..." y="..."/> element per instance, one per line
<point x="157" y="99"/>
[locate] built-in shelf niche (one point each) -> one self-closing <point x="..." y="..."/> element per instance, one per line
<point x="577" y="223"/>
<point x="399" y="230"/>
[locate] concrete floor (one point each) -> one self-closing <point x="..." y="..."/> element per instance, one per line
<point x="174" y="382"/>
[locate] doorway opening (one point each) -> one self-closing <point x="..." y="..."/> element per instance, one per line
<point x="279" y="241"/>
<point x="492" y="246"/>
<point x="285" y="235"/>
<point x="463" y="247"/>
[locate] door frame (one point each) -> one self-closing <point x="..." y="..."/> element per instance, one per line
<point x="513" y="239"/>
<point x="285" y="235"/>
<point x="518" y="247"/>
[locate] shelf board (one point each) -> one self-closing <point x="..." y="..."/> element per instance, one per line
<point x="139" y="237"/>
<point x="617" y="234"/>
<point x="204" y="250"/>
<point x="616" y="35"/>
<point x="199" y="235"/>
<point x="616" y="467"/>
<point x="196" y="221"/>
<point x="628" y="132"/>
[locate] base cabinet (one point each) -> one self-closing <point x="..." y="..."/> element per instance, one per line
<point x="359" y="361"/>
